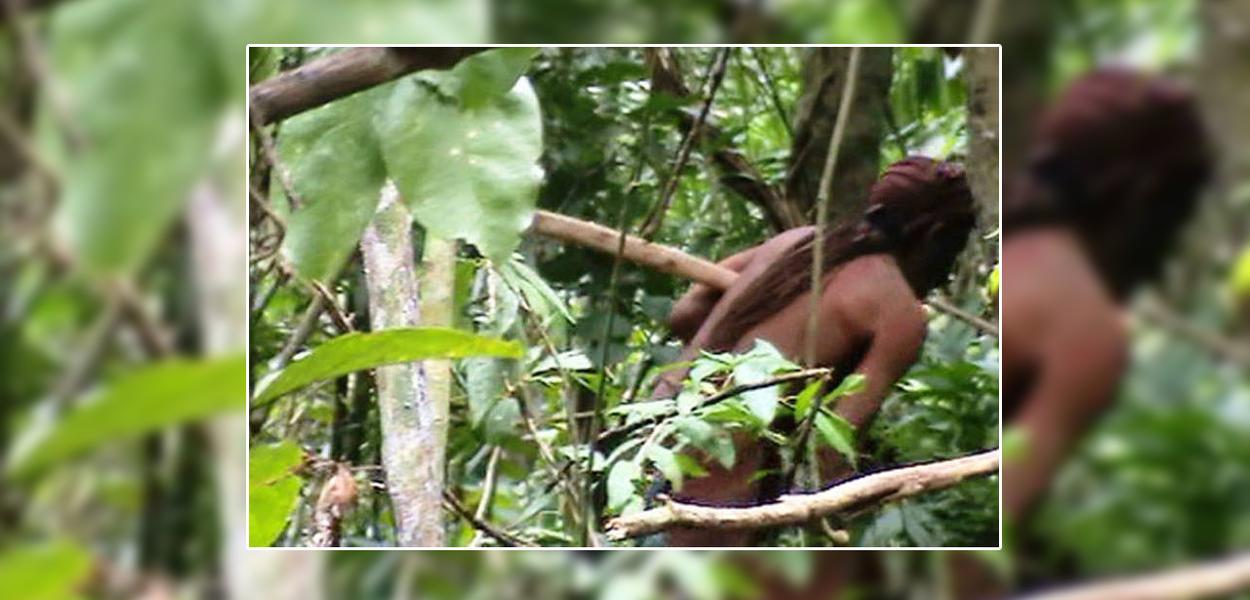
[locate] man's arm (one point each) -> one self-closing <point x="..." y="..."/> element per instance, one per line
<point x="895" y="345"/>
<point x="1077" y="383"/>
<point x="694" y="306"/>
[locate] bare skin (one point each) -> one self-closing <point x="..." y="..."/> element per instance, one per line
<point x="869" y="319"/>
<point x="1064" y="351"/>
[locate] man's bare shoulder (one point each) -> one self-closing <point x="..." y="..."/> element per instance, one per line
<point x="1052" y="297"/>
<point x="872" y="290"/>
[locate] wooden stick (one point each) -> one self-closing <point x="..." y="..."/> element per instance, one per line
<point x="667" y="259"/>
<point x="662" y="258"/>
<point x="801" y="508"/>
<point x="1214" y="579"/>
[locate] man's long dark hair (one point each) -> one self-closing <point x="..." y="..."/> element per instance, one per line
<point x="920" y="210"/>
<point x="1120" y="158"/>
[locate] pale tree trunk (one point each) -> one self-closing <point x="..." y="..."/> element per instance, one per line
<point x="414" y="422"/>
<point x="824" y="70"/>
<point x="438" y="283"/>
<point x="218" y="243"/>
<point x="1224" y="88"/>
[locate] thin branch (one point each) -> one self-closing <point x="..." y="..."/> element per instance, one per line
<point x="822" y="201"/>
<point x="654" y="220"/>
<point x="782" y="113"/>
<point x="504" y="538"/>
<point x="1158" y="313"/>
<point x="943" y="305"/>
<point x="1214" y="579"/>
<point x="663" y="258"/>
<point x="716" y="398"/>
<point x="884" y="486"/>
<point x="737" y="173"/>
<point x="342" y="74"/>
<point x="488" y="491"/>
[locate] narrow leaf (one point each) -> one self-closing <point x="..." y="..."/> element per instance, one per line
<point x="357" y="351"/>
<point x="152" y="398"/>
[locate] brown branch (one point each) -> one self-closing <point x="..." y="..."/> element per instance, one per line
<point x="878" y="487"/>
<point x="1214" y="579"/>
<point x="1236" y="352"/>
<point x="738" y="174"/>
<point x="504" y="537"/>
<point x="656" y="218"/>
<point x="941" y="304"/>
<point x="668" y="259"/>
<point x="342" y="74"/>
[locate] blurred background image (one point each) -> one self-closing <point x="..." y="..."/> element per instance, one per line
<point x="122" y="279"/>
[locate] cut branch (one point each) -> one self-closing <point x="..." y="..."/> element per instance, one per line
<point x="343" y="74"/>
<point x="667" y="259"/>
<point x="662" y="258"/>
<point x="1215" y="579"/>
<point x="800" y="508"/>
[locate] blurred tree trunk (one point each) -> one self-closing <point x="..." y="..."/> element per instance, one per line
<point x="824" y="70"/>
<point x="218" y="243"/>
<point x="1026" y="31"/>
<point x="1224" y="88"/>
<point x="981" y="71"/>
<point x="414" y="424"/>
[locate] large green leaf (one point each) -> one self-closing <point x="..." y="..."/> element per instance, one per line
<point x="169" y="393"/>
<point x="357" y="351"/>
<point x="272" y="488"/>
<point x="47" y="571"/>
<point x="337" y="171"/>
<point x="467" y="172"/>
<point x="142" y="140"/>
<point x="481" y="78"/>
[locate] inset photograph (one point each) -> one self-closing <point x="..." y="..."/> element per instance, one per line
<point x="598" y="297"/>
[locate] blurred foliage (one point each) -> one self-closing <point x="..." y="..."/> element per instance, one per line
<point x="119" y="73"/>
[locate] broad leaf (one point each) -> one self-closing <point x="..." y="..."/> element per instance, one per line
<point x="338" y="174"/>
<point x="666" y="462"/>
<point x="803" y="403"/>
<point x="467" y="172"/>
<point x="481" y="78"/>
<point x="47" y="571"/>
<point x="272" y="489"/>
<point x="356" y="351"/>
<point x="621" y="483"/>
<point x="152" y="398"/>
<point x="141" y="151"/>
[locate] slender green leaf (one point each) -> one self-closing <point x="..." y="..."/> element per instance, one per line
<point x="154" y="397"/>
<point x="839" y="434"/>
<point x="666" y="462"/>
<point x="357" y="351"/>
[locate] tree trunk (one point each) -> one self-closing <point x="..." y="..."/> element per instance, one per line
<point x="218" y="242"/>
<point x="823" y="72"/>
<point x="414" y="425"/>
<point x="981" y="71"/>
